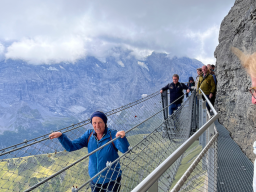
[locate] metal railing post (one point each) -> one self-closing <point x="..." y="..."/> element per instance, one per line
<point x="204" y="119"/>
<point x="164" y="97"/>
<point x="154" y="187"/>
<point x="200" y="111"/>
<point x="194" y="121"/>
<point x="203" y="136"/>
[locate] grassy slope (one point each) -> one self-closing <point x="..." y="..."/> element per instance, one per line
<point x="193" y="151"/>
<point x="19" y="174"/>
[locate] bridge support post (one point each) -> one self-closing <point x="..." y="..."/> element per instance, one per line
<point x="154" y="187"/>
<point x="165" y="131"/>
<point x="202" y="138"/>
<point x="200" y="111"/>
<point x="194" y="111"/>
<point x="204" y="119"/>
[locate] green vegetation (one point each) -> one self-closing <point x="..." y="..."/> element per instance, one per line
<point x="190" y="155"/>
<point x="18" y="174"/>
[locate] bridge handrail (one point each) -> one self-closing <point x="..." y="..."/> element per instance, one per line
<point x="160" y="170"/>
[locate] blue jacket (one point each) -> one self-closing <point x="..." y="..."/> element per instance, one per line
<point x="98" y="160"/>
<point x="176" y="91"/>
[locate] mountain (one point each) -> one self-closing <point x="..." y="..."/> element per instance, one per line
<point x="35" y="99"/>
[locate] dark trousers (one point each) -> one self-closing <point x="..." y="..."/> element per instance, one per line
<point x="173" y="107"/>
<point x="208" y="107"/>
<point x="113" y="186"/>
<point x="213" y="98"/>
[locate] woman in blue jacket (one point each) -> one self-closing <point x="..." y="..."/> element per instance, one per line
<point x="92" y="139"/>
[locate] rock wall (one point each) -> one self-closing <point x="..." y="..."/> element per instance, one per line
<point x="233" y="102"/>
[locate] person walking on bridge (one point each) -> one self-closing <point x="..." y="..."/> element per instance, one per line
<point x="207" y="84"/>
<point x="176" y="92"/>
<point x="211" y="71"/>
<point x="199" y="74"/>
<point x="190" y="84"/>
<point x="110" y="179"/>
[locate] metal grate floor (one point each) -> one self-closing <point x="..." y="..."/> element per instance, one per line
<point x="235" y="170"/>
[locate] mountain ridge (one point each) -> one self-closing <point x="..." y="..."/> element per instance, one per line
<point x="32" y="95"/>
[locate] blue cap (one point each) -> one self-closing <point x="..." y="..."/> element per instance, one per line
<point x="191" y="79"/>
<point x="101" y="115"/>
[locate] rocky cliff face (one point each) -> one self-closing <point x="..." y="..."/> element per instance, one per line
<point x="238" y="115"/>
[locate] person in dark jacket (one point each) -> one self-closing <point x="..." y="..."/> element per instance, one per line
<point x="176" y="91"/>
<point x="190" y="84"/>
<point x="110" y="179"/>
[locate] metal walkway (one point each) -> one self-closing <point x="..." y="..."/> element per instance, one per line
<point x="235" y="170"/>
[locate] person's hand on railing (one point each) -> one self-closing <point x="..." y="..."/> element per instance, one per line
<point x="121" y="134"/>
<point x="55" y="135"/>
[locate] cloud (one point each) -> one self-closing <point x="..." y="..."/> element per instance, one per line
<point x="54" y="31"/>
<point x="38" y="50"/>
<point x="2" y="49"/>
<point x="205" y="40"/>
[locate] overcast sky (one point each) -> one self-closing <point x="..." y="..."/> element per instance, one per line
<point x="62" y="30"/>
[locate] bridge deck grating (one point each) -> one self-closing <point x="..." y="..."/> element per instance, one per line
<point x="235" y="170"/>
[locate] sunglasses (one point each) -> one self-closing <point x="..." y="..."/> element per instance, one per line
<point x="252" y="91"/>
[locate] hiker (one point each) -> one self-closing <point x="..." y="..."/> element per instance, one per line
<point x="110" y="179"/>
<point x="213" y="68"/>
<point x="190" y="84"/>
<point x="206" y="84"/>
<point x="211" y="71"/>
<point x="199" y="74"/>
<point x="176" y="92"/>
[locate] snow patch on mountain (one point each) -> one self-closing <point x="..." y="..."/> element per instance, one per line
<point x="142" y="64"/>
<point x="121" y="63"/>
<point x="76" y="109"/>
<point x="52" y="69"/>
<point x="62" y="67"/>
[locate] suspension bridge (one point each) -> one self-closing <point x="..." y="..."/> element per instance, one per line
<point x="186" y="151"/>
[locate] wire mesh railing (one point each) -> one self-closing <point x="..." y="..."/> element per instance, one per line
<point x="197" y="159"/>
<point x="202" y="173"/>
<point x="18" y="147"/>
<point x="28" y="163"/>
<point x="146" y="155"/>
